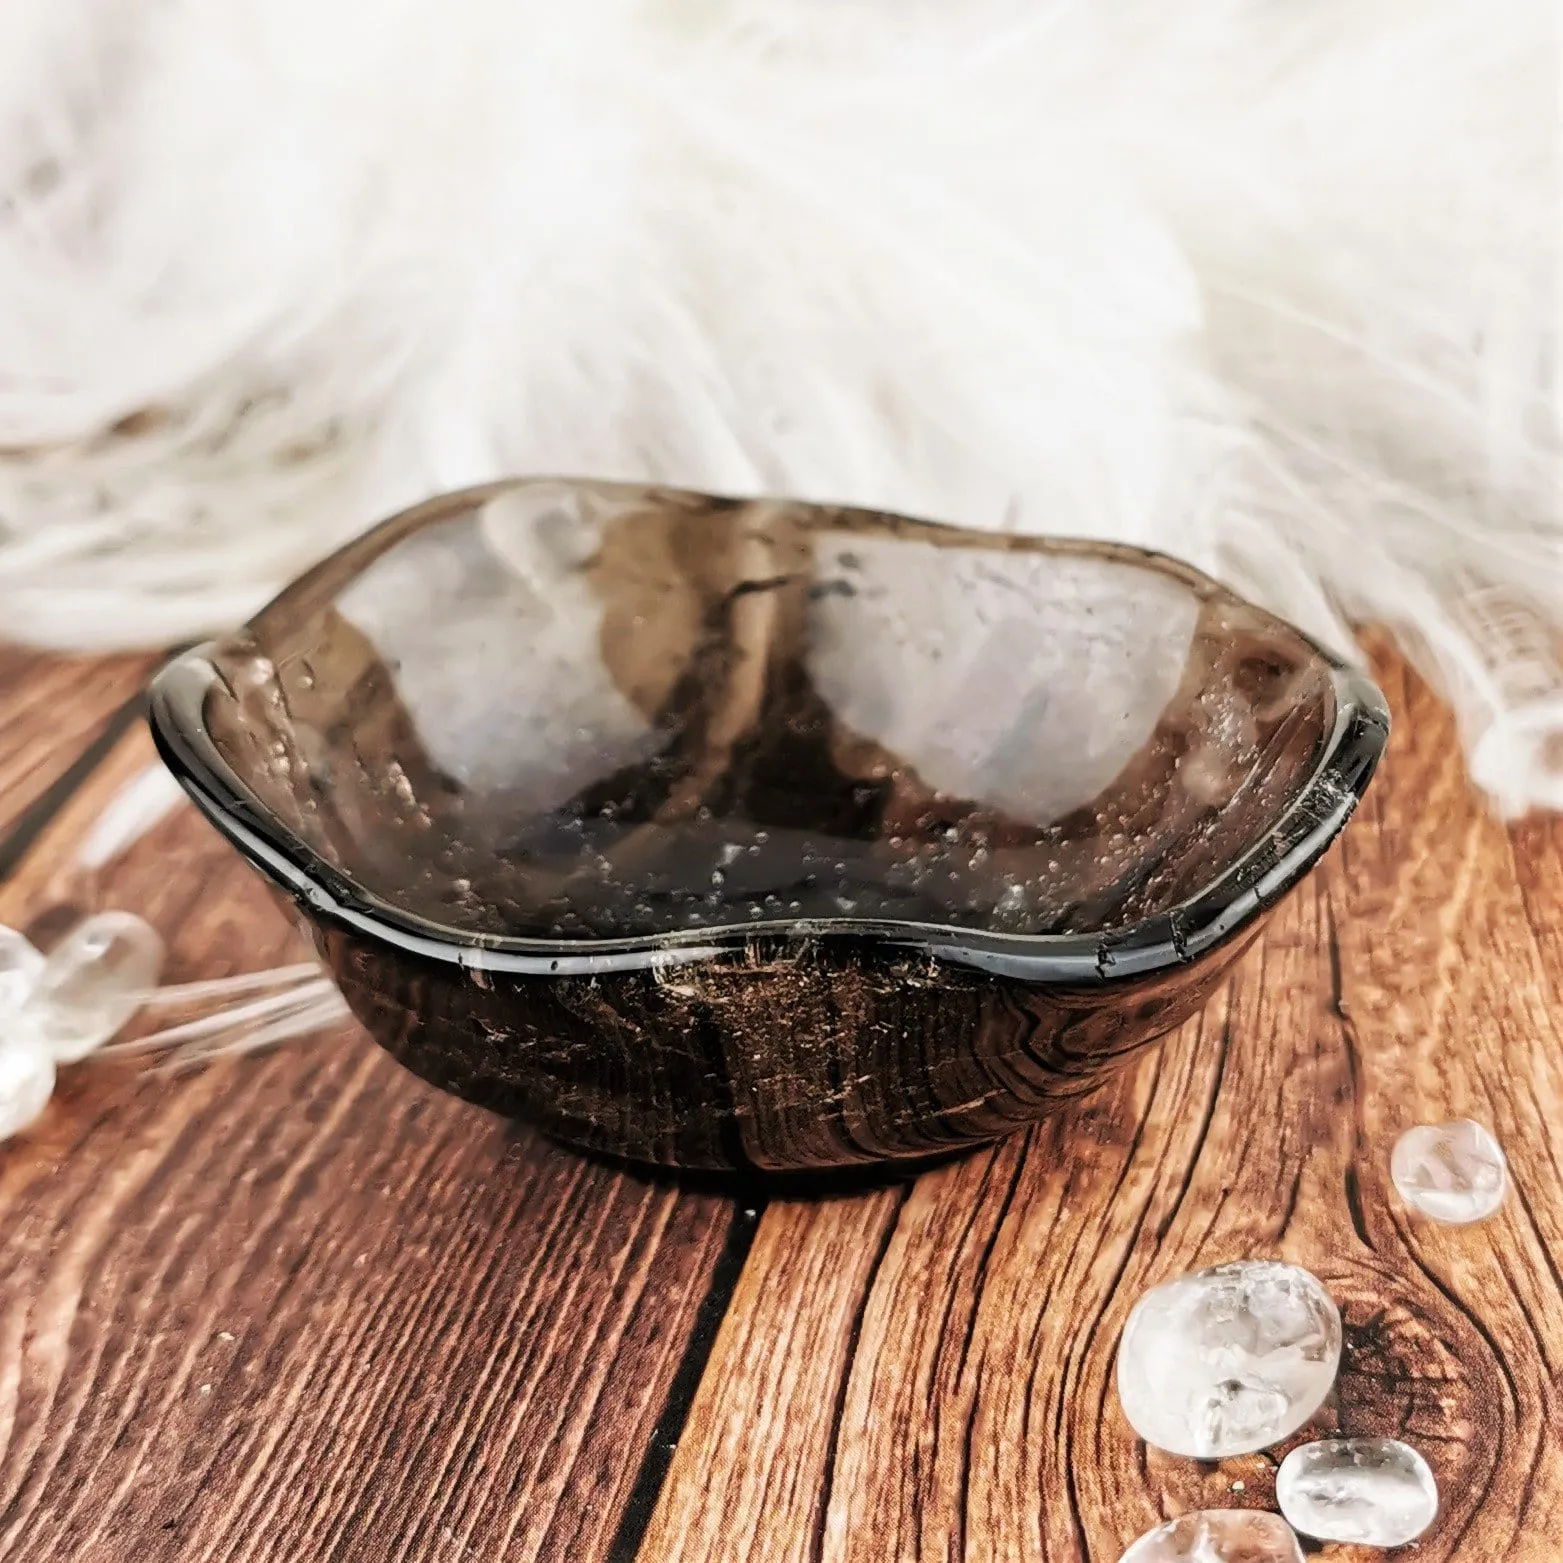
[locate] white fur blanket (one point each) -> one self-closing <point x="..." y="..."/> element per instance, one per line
<point x="1275" y="287"/>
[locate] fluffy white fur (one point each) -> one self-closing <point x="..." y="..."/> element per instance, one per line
<point x="1271" y="286"/>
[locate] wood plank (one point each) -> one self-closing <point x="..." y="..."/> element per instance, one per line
<point x="302" y="1305"/>
<point x="51" y="709"/>
<point x="969" y="1369"/>
<point x="1446" y="982"/>
<point x="758" y="1435"/>
<point x="1538" y="866"/>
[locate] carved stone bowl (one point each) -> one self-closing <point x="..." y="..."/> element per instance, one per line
<point x="765" y="835"/>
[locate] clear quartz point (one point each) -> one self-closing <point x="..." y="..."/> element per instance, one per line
<point x="1228" y="1360"/>
<point x="20" y="968"/>
<point x="1452" y="1172"/>
<point x="26" y="1082"/>
<point x="1218" y="1536"/>
<point x="1372" y="1491"/>
<point x="94" y="980"/>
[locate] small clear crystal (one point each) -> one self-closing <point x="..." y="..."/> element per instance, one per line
<point x="1218" y="1536"/>
<point x="20" y="966"/>
<point x="26" y="1082"/>
<point x="1228" y="1360"/>
<point x="1373" y="1491"/>
<point x="1453" y="1172"/>
<point x="94" y="980"/>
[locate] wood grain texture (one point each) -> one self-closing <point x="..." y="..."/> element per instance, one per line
<point x="302" y="1306"/>
<point x="759" y="1436"/>
<point x="51" y="708"/>
<point x="976" y="1416"/>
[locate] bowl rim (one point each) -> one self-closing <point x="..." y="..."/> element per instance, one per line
<point x="1167" y="940"/>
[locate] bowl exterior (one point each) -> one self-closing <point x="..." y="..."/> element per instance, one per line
<point x="789" y="1056"/>
<point x="778" y="665"/>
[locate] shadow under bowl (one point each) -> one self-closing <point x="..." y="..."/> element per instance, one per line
<point x="765" y="835"/>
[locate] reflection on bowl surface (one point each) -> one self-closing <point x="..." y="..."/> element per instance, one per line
<point x="585" y="788"/>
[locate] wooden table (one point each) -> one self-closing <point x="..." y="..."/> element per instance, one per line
<point x="301" y="1307"/>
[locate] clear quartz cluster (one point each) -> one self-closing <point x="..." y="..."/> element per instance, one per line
<point x="57" y="1009"/>
<point x="1218" y="1536"/>
<point x="1228" y="1360"/>
<point x="1451" y="1172"/>
<point x="1373" y="1491"/>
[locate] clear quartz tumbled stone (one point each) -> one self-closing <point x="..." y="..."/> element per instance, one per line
<point x="1218" y="1536"/>
<point x="1373" y="1491"/>
<point x="1455" y="1172"/>
<point x="94" y="980"/>
<point x="1228" y="1360"/>
<point x="20" y="967"/>
<point x="26" y="1082"/>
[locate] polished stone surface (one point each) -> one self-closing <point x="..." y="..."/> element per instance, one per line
<point x="20" y="967"/>
<point x="578" y="716"/>
<point x="1373" y="1491"/>
<point x="840" y="770"/>
<point x="26" y="1081"/>
<point x="1455" y="1172"/>
<point x="1228" y="1360"/>
<point x="1218" y="1536"/>
<point x="93" y="981"/>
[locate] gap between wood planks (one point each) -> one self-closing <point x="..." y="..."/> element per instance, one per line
<point x="57" y="717"/>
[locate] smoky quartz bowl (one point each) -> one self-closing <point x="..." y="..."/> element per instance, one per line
<point x="762" y="835"/>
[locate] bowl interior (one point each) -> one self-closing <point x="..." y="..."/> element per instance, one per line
<point x="572" y="711"/>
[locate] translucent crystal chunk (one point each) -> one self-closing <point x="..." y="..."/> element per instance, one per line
<point x="26" y="1083"/>
<point x="1218" y="1536"/>
<point x="20" y="965"/>
<point x="1373" y="1491"/>
<point x="1453" y="1172"/>
<point x="93" y="982"/>
<point x="1228" y="1360"/>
